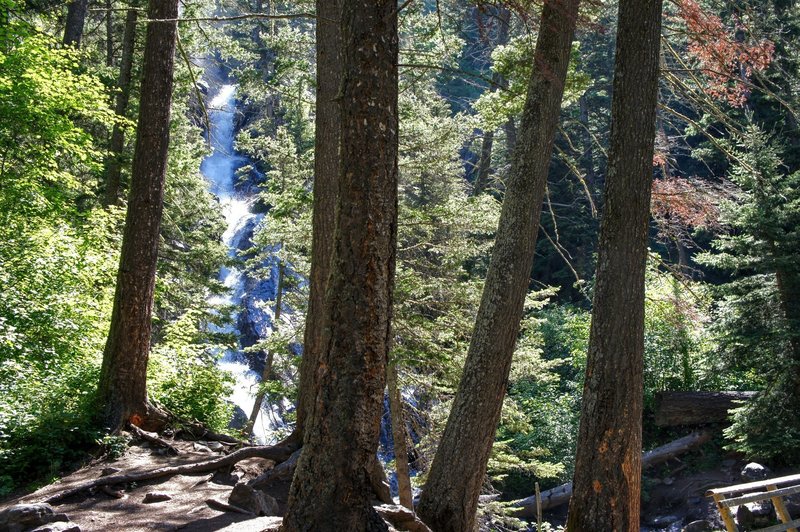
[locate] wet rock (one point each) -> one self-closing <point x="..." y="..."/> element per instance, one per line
<point x="754" y="471"/>
<point x="27" y="516"/>
<point x="61" y="526"/>
<point x="253" y="500"/>
<point x="156" y="496"/>
<point x="700" y="525"/>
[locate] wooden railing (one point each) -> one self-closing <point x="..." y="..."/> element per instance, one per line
<point x="726" y="498"/>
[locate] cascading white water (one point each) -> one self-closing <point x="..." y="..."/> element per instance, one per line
<point x="220" y="169"/>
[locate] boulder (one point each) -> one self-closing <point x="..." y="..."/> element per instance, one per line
<point x="253" y="500"/>
<point x="753" y="472"/>
<point x="755" y="515"/>
<point x="27" y="516"/>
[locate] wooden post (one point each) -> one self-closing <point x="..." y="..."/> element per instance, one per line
<point x="538" y="509"/>
<point x="725" y="512"/>
<point x="780" y="508"/>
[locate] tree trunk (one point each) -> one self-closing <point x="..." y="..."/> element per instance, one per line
<point x="399" y="437"/>
<point x="331" y="488"/>
<point x="122" y="389"/>
<point x="266" y="375"/>
<point x="326" y="178"/>
<point x="76" y="16"/>
<point x="607" y="478"/>
<point x="696" y="408"/>
<point x="114" y="164"/>
<point x="450" y="498"/>
<point x="109" y="33"/>
<point x="485" y="161"/>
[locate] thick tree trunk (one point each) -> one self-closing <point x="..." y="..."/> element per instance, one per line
<point x="326" y="172"/>
<point x="450" y="499"/>
<point x="332" y="488"/>
<point x="122" y="389"/>
<point x="399" y="437"/>
<point x="696" y="408"/>
<point x="266" y="375"/>
<point x="76" y="17"/>
<point x="607" y="478"/>
<point x="114" y="164"/>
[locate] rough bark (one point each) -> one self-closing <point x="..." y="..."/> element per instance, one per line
<point x="122" y="392"/>
<point x="326" y="171"/>
<point x="266" y="375"/>
<point x="450" y="499"/>
<point x="607" y="478"/>
<point x="399" y="437"/>
<point x="341" y="434"/>
<point x="114" y="164"/>
<point x="76" y="17"/>
<point x="696" y="408"/>
<point x="526" y="508"/>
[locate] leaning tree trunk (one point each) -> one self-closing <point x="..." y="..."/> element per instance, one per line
<point x="76" y="17"/>
<point x="331" y="489"/>
<point x="122" y="389"/>
<point x="114" y="165"/>
<point x="450" y="499"/>
<point x="608" y="465"/>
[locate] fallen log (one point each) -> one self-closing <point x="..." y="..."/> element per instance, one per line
<point x="526" y="508"/>
<point x="696" y="408"/>
<point x="277" y="453"/>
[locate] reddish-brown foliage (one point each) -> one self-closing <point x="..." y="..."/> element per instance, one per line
<point x="680" y="204"/>
<point x="727" y="61"/>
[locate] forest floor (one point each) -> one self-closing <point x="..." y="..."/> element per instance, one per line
<point x="186" y="509"/>
<point x="673" y="494"/>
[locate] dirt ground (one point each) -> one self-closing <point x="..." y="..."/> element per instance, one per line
<point x="187" y="508"/>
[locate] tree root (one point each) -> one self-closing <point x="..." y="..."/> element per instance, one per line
<point x="278" y="453"/>
<point x="152" y="437"/>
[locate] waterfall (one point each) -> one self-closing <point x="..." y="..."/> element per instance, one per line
<point x="220" y="169"/>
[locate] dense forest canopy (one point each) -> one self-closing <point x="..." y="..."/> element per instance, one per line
<point x="468" y="245"/>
